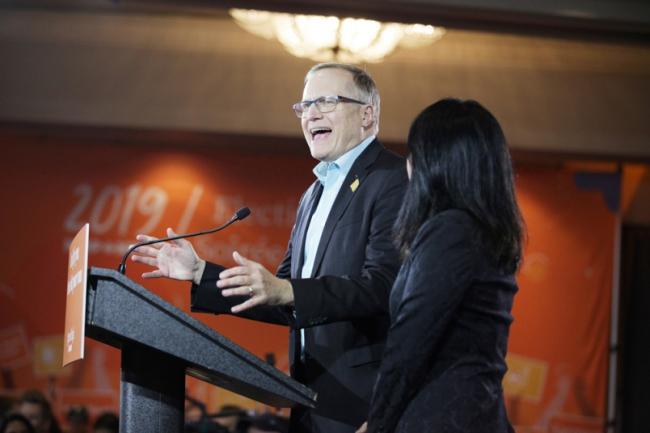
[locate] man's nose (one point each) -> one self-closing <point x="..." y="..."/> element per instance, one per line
<point x="312" y="112"/>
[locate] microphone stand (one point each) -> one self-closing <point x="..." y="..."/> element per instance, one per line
<point x="239" y="215"/>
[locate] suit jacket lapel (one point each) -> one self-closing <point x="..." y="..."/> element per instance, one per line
<point x="311" y="200"/>
<point x="357" y="173"/>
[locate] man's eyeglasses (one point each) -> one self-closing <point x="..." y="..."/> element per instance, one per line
<point x="324" y="104"/>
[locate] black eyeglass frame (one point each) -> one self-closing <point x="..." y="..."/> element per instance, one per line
<point x="301" y="107"/>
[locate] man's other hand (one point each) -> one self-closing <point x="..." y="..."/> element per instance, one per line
<point x="253" y="280"/>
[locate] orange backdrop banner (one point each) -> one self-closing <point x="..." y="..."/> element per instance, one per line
<point x="558" y="351"/>
<point x="558" y="345"/>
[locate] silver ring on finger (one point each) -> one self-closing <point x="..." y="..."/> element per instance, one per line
<point x="250" y="292"/>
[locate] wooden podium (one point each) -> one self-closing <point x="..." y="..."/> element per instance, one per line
<point x="160" y="344"/>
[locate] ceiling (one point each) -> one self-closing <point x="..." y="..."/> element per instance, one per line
<point x="621" y="18"/>
<point x="561" y="80"/>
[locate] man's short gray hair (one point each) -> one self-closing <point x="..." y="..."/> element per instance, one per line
<point x="362" y="80"/>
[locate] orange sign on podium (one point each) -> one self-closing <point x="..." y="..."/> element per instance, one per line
<point x="75" y="306"/>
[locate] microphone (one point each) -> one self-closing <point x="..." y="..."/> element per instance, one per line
<point x="239" y="215"/>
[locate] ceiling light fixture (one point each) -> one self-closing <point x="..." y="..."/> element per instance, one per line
<point x="329" y="38"/>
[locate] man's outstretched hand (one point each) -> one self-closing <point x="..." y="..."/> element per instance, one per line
<point x="174" y="259"/>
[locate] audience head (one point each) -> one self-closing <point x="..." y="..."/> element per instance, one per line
<point x="77" y="417"/>
<point x="16" y="423"/>
<point x="229" y="417"/>
<point x="267" y="423"/>
<point x="107" y="422"/>
<point x="36" y="408"/>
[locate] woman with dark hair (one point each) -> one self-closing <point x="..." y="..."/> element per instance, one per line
<point x="460" y="234"/>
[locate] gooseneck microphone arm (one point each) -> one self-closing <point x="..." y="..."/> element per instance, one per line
<point x="239" y="215"/>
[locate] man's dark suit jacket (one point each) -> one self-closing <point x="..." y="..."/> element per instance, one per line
<point x="343" y="308"/>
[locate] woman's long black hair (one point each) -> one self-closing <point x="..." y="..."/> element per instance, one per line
<point x="460" y="160"/>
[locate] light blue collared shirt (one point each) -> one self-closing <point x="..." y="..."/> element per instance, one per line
<point x="331" y="175"/>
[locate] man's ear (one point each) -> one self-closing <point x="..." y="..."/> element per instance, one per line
<point x="368" y="118"/>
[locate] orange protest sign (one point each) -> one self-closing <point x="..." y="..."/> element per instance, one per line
<point x="14" y="350"/>
<point x="75" y="307"/>
<point x="47" y="355"/>
<point x="526" y="377"/>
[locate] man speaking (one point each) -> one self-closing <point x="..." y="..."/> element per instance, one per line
<point x="332" y="286"/>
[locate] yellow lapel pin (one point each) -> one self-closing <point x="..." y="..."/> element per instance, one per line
<point x="354" y="185"/>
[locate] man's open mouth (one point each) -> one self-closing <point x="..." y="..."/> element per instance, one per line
<point x="319" y="131"/>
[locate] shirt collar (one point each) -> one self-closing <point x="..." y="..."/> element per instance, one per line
<point x="343" y="163"/>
